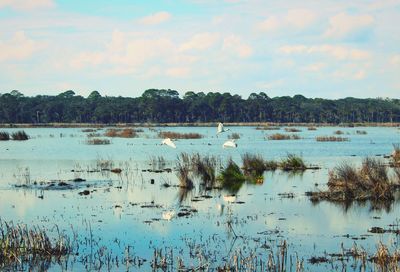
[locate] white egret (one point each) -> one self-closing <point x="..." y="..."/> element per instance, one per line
<point x="168" y="142"/>
<point x="221" y="128"/>
<point x="168" y="215"/>
<point x="230" y="144"/>
<point x="230" y="198"/>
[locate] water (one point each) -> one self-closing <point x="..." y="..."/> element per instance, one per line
<point x="113" y="214"/>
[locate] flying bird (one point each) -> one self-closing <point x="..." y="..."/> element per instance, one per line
<point x="230" y="144"/>
<point x="221" y="128"/>
<point x="168" y="142"/>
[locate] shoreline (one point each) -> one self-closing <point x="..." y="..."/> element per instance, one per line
<point x="197" y="124"/>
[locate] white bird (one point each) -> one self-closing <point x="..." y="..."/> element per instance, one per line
<point x="168" y="142"/>
<point x="230" y="198"/>
<point x="168" y="215"/>
<point x="230" y="144"/>
<point x="221" y="128"/>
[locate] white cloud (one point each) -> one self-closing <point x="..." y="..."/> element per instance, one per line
<point x="177" y="71"/>
<point x="294" y="18"/>
<point x="395" y="59"/>
<point x="235" y="45"/>
<point x="156" y="18"/>
<point x="314" y="67"/>
<point x="343" y="24"/>
<point x="19" y="47"/>
<point x="26" y="4"/>
<point x="336" y="51"/>
<point x="201" y="41"/>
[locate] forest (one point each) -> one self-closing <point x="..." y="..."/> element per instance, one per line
<point x="166" y="106"/>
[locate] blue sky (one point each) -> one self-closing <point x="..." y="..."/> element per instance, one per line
<point x="327" y="49"/>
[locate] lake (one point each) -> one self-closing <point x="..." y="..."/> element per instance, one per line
<point x="118" y="224"/>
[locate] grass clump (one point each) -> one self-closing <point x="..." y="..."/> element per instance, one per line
<point x="361" y="132"/>
<point x="205" y="168"/>
<point x="184" y="167"/>
<point x="121" y="133"/>
<point x="396" y="155"/>
<point x="292" y="130"/>
<point x="19" y="136"/>
<point x="20" y="244"/>
<point x="370" y="182"/>
<point x="231" y="177"/>
<point x="312" y="128"/>
<point x="98" y="141"/>
<point x="268" y="128"/>
<point x="280" y="136"/>
<point x="234" y="136"/>
<point x="253" y="164"/>
<point x="331" y="139"/>
<point x="177" y="135"/>
<point x="338" y="132"/>
<point x="292" y="162"/>
<point x="4" y="136"/>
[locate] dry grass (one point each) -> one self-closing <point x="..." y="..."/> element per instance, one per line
<point x="18" y="244"/>
<point x="370" y="182"/>
<point x="98" y="141"/>
<point x="268" y="128"/>
<point x="312" y="128"/>
<point x="396" y="155"/>
<point x="121" y="133"/>
<point x="4" y="136"/>
<point x="177" y="135"/>
<point x="385" y="260"/>
<point x="338" y="132"/>
<point x="205" y="168"/>
<point x="280" y="136"/>
<point x="88" y="130"/>
<point x="292" y="130"/>
<point x="331" y="139"/>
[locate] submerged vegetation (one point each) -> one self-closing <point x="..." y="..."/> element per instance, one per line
<point x="331" y="139"/>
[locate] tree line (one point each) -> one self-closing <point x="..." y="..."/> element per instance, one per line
<point x="164" y="106"/>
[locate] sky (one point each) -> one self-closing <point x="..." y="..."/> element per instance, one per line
<point x="328" y="49"/>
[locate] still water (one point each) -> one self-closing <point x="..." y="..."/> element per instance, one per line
<point x="126" y="210"/>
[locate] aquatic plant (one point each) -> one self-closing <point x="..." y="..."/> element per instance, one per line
<point x="19" y="244"/>
<point x="268" y="128"/>
<point x="370" y="182"/>
<point x="19" y="136"/>
<point x="177" y="135"/>
<point x="234" y="136"/>
<point x="280" y="136"/>
<point x="312" y="128"/>
<point x="361" y="132"/>
<point x="338" y="132"/>
<point x="396" y="154"/>
<point x="292" y="130"/>
<point x="231" y="177"/>
<point x="292" y="162"/>
<point x="205" y="168"/>
<point x="183" y="171"/>
<point x="253" y="164"/>
<point x="98" y="141"/>
<point x="122" y="133"/>
<point x="4" y="136"/>
<point x="331" y="139"/>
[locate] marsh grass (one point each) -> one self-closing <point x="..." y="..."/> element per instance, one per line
<point x="361" y="132"/>
<point x="280" y="136"/>
<point x="253" y="165"/>
<point x="88" y="130"/>
<point x="312" y="128"/>
<point x="19" y="136"/>
<point x="292" y="130"/>
<point x="338" y="132"/>
<point x="121" y="133"/>
<point x="4" y="136"/>
<point x="98" y="141"/>
<point x="234" y="136"/>
<point x="19" y="244"/>
<point x="268" y="128"/>
<point x="231" y="177"/>
<point x="331" y="139"/>
<point x="385" y="260"/>
<point x="370" y="182"/>
<point x="396" y="155"/>
<point x="177" y="135"/>
<point x="183" y="171"/>
<point x="205" y="168"/>
<point x="292" y="162"/>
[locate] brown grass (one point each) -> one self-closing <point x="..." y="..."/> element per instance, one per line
<point x="98" y="141"/>
<point x="292" y="130"/>
<point x="280" y="136"/>
<point x="338" y="132"/>
<point x="4" y="136"/>
<point x="312" y="128"/>
<point x="331" y="139"/>
<point x="177" y="135"/>
<point x="121" y="133"/>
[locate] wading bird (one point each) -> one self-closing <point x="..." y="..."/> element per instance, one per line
<point x="229" y="144"/>
<point x="168" y="142"/>
<point x="221" y="128"/>
<point x="168" y="215"/>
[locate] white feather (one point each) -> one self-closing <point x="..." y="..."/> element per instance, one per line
<point x="229" y="144"/>
<point x="169" y="142"/>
